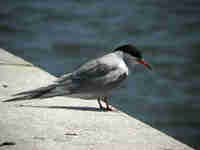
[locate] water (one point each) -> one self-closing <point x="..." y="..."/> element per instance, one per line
<point x="60" y="35"/>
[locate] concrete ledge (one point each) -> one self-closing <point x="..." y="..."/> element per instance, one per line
<point x="65" y="123"/>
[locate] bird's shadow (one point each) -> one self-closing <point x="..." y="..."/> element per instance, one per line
<point x="80" y="108"/>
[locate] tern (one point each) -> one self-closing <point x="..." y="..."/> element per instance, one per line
<point x="96" y="79"/>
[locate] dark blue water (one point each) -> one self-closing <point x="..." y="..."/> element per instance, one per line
<point x="60" y="35"/>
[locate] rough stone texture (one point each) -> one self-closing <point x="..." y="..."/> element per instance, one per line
<point x="65" y="123"/>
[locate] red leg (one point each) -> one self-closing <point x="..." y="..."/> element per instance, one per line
<point x="105" y="99"/>
<point x="99" y="102"/>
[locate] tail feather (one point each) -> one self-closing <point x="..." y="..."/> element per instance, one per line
<point x="21" y="98"/>
<point x="38" y="90"/>
<point x="27" y="95"/>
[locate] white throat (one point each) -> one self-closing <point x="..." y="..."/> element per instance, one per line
<point x="128" y="59"/>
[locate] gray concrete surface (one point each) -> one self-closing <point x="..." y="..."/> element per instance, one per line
<point x="64" y="123"/>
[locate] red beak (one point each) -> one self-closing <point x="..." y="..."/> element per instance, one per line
<point x="145" y="64"/>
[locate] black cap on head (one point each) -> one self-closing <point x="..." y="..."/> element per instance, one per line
<point x="130" y="49"/>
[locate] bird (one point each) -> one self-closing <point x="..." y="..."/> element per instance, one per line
<point x="96" y="79"/>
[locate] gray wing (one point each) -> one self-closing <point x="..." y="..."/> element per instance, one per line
<point x="94" y="75"/>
